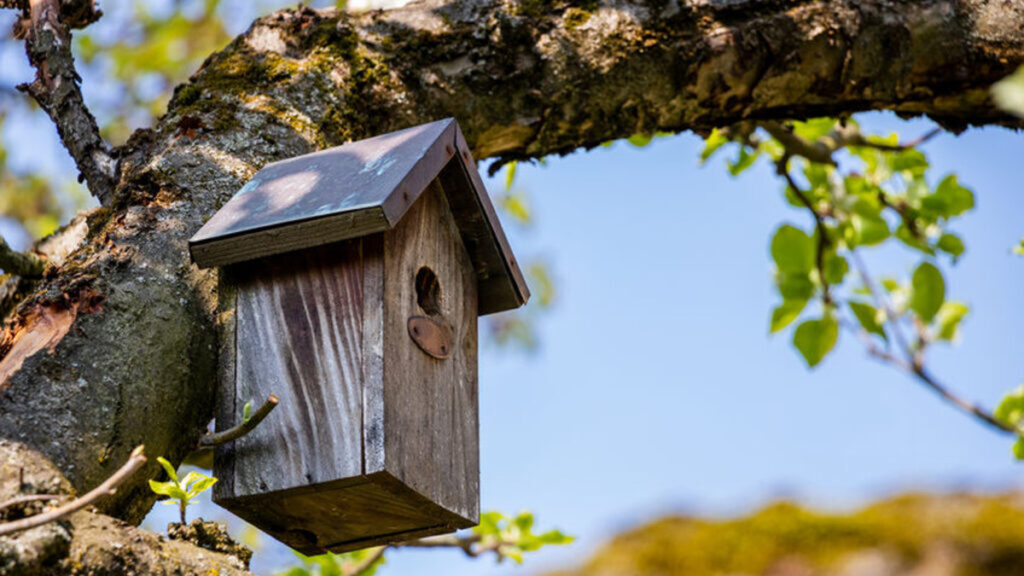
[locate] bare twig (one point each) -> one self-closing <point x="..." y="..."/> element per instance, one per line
<point x="470" y="545"/>
<point x="135" y="461"/>
<point x="855" y="138"/>
<point x="56" y="90"/>
<point x="243" y="428"/>
<point x="26" y="498"/>
<point x="819" y="222"/>
<point x="22" y="264"/>
<point x="914" y="362"/>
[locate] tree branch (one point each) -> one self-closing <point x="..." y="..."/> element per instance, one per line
<point x="26" y="498"/>
<point x="135" y="461"/>
<point x="56" y="90"/>
<point x="819" y="222"/>
<point x="242" y="429"/>
<point x="914" y="363"/>
<point x="24" y="264"/>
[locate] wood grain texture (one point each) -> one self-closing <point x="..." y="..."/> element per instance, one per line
<point x="298" y="235"/>
<point x="374" y="441"/>
<point x="224" y="455"/>
<point x="299" y="335"/>
<point x="430" y="405"/>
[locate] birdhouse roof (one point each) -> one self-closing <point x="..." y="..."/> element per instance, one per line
<point x="363" y="188"/>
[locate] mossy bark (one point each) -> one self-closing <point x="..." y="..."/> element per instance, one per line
<point x="123" y="347"/>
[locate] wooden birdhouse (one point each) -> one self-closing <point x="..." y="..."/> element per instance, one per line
<point x="356" y="275"/>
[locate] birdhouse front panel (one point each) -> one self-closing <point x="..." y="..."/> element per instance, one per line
<point x="350" y="285"/>
<point x="430" y="397"/>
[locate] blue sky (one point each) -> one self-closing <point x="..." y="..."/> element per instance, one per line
<point x="657" y="388"/>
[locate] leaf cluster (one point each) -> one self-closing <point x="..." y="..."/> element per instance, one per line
<point x="181" y="492"/>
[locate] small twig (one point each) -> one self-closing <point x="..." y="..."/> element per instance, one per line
<point x="855" y="138"/>
<point x="22" y="264"/>
<point x="816" y="151"/>
<point x="819" y="222"/>
<point x="26" y="498"/>
<point x="56" y="90"/>
<point x="914" y="362"/>
<point x="135" y="461"/>
<point x="242" y="429"/>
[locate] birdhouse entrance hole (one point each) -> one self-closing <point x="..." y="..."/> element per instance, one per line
<point x="428" y="291"/>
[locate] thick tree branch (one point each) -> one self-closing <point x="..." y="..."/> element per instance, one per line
<point x="24" y="264"/>
<point x="56" y="90"/>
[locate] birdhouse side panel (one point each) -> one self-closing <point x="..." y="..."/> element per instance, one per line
<point x="299" y="334"/>
<point x="430" y="388"/>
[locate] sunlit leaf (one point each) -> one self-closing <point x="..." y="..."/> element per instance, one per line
<point x="815" y="339"/>
<point x="792" y="249"/>
<point x="948" y="319"/>
<point x="928" y="291"/>
<point x="785" y="313"/>
<point x="870" y="318"/>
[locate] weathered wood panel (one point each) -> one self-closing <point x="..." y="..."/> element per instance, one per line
<point x="224" y="458"/>
<point x="346" y="515"/>
<point x="430" y="405"/>
<point x="300" y="335"/>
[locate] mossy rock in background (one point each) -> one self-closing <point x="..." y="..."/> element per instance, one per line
<point x="912" y="535"/>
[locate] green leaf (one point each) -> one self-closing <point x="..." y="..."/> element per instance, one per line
<point x="793" y="250"/>
<point x="815" y="339"/>
<point x="167" y="467"/>
<point x="246" y="411"/>
<point x="189" y="479"/>
<point x="910" y="160"/>
<point x="161" y="488"/>
<point x="744" y="161"/>
<point x="949" y="199"/>
<point x="1008" y="93"/>
<point x="201" y="486"/>
<point x="1019" y="248"/>
<point x="712" y="144"/>
<point x="928" y="291"/>
<point x="795" y="286"/>
<point x="1018" y="448"/>
<point x="949" y="318"/>
<point x="555" y="538"/>
<point x="785" y="313"/>
<point x="489" y="523"/>
<point x="510" y="174"/>
<point x="517" y="206"/>
<point x="814" y="128"/>
<point x="1011" y="409"/>
<point x="869" y="230"/>
<point x="951" y="244"/>
<point x="904" y="235"/>
<point x="523" y="521"/>
<point x="836" y="268"/>
<point x="869" y="317"/>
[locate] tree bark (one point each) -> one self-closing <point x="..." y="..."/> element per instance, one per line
<point x="116" y="346"/>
